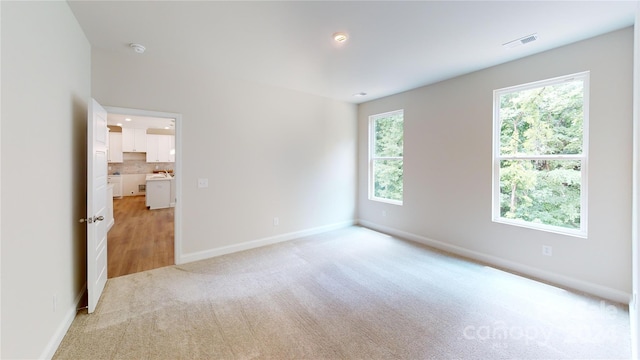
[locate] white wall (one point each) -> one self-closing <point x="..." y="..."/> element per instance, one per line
<point x="266" y="151"/>
<point x="634" y="314"/>
<point x="46" y="83"/>
<point x="447" y="183"/>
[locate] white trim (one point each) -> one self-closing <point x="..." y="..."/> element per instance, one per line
<point x="0" y="181"/>
<point x="252" y="244"/>
<point x="542" y="157"/>
<point x="64" y="326"/>
<point x="565" y="281"/>
<point x="388" y="201"/>
<point x="583" y="158"/>
<point x="177" y="225"/>
<point x="634" y="314"/>
<point x="541" y="83"/>
<point x="542" y="227"/>
<point x="371" y="180"/>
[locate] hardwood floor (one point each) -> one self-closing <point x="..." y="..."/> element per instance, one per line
<point x="141" y="239"/>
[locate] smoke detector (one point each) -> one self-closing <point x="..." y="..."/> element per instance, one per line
<point x="521" y="41"/>
<point x="138" y="48"/>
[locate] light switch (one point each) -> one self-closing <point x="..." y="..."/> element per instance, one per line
<point x="203" y="183"/>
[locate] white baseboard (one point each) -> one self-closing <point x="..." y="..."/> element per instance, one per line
<point x="207" y="254"/>
<point x="561" y="280"/>
<point x="64" y="326"/>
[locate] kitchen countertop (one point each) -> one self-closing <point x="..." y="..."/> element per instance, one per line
<point x="158" y="177"/>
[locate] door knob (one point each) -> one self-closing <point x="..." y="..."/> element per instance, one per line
<point x="92" y="220"/>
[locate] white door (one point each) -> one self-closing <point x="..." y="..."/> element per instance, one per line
<point x="96" y="203"/>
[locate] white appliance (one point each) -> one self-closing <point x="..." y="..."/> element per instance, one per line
<point x="158" y="191"/>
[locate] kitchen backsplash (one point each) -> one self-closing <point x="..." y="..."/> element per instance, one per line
<point x="136" y="163"/>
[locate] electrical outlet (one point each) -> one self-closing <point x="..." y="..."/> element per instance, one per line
<point x="276" y="221"/>
<point x="547" y="250"/>
<point x="203" y="183"/>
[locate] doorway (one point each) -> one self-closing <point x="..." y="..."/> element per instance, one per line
<point x="144" y="237"/>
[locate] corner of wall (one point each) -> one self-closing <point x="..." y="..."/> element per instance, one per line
<point x="252" y="244"/>
<point x="560" y="280"/>
<point x="51" y="348"/>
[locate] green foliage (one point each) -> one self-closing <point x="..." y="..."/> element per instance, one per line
<point x="388" y="145"/>
<point x="389" y="132"/>
<point x="388" y="179"/>
<point x="542" y="121"/>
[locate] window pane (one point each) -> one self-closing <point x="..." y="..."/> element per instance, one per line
<point x="543" y="121"/>
<point x="387" y="175"/>
<point x="541" y="191"/>
<point x="388" y="136"/>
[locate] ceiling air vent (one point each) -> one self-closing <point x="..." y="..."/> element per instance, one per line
<point x="522" y="41"/>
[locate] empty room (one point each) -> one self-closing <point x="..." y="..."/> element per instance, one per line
<point x="366" y="179"/>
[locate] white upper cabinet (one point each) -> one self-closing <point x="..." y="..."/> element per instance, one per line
<point x="115" y="147"/>
<point x="172" y="148"/>
<point x="159" y="148"/>
<point x="134" y="140"/>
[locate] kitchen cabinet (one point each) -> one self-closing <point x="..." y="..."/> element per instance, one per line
<point x="152" y="148"/>
<point x="115" y="147"/>
<point x="116" y="180"/>
<point x="134" y="140"/>
<point x="172" y="148"/>
<point x="109" y="214"/>
<point x="158" y="148"/>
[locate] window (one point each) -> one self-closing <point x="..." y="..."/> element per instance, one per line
<point x="386" y="139"/>
<point x="540" y="155"/>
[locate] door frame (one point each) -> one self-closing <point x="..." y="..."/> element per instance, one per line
<point x="177" y="221"/>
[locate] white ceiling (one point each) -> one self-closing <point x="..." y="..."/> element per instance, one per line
<point x="393" y="46"/>
<point x="141" y="122"/>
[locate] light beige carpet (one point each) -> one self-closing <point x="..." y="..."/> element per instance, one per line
<point x="347" y="294"/>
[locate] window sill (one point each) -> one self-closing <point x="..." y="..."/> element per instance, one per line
<point x="541" y="227"/>
<point x="388" y="201"/>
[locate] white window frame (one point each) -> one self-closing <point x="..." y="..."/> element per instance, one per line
<point x="373" y="158"/>
<point x="583" y="158"/>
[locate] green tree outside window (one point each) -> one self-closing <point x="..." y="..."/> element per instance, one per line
<point x="386" y="164"/>
<point x="541" y="153"/>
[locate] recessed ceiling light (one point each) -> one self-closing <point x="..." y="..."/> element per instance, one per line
<point x="127" y="119"/>
<point x="119" y="124"/>
<point x="137" y="48"/>
<point x="360" y="94"/>
<point x="340" y="37"/>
